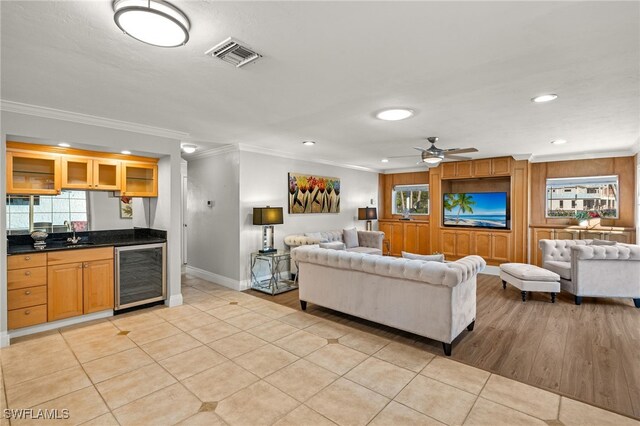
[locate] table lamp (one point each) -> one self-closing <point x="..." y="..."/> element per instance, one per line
<point x="368" y="214"/>
<point x="267" y="217"/>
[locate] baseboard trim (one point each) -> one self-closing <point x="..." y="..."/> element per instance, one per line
<point x="175" y="300"/>
<point x="4" y="339"/>
<point x="58" y="324"/>
<point x="215" y="278"/>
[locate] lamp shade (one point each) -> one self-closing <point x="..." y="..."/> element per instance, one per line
<point x="367" y="213"/>
<point x="267" y="216"/>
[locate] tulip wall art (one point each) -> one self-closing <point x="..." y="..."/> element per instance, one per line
<point x="313" y="194"/>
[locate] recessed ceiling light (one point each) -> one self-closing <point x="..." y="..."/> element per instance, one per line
<point x="558" y="141"/>
<point x="189" y="148"/>
<point x="394" y="114"/>
<point x="64" y="145"/>
<point x="308" y="143"/>
<point x="125" y="152"/>
<point x="384" y="160"/>
<point x="545" y="98"/>
<point x="154" y="22"/>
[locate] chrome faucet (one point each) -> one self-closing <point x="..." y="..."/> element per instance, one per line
<point x="74" y="239"/>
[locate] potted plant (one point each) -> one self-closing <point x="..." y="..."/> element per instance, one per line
<point x="588" y="218"/>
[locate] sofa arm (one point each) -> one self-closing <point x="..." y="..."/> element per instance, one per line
<point x="372" y="239"/>
<point x="300" y="240"/>
<point x="615" y="252"/>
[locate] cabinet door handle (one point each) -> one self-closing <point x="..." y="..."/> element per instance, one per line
<point x="28" y="292"/>
<point x="27" y="273"/>
<point x="27" y="258"/>
<point x="27" y="312"/>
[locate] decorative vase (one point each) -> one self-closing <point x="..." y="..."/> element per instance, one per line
<point x="38" y="238"/>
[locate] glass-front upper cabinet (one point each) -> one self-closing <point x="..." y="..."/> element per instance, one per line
<point x="33" y="173"/>
<point x="139" y="179"/>
<point x="77" y="172"/>
<point x="107" y="174"/>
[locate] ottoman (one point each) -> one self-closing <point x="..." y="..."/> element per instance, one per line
<point x="530" y="278"/>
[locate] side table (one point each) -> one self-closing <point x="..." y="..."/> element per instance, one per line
<point x="267" y="270"/>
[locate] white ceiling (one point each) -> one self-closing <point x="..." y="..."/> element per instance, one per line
<point x="467" y="68"/>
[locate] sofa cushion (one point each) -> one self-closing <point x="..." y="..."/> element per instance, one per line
<point x="425" y="257"/>
<point x="350" y="237"/>
<point x="526" y="272"/>
<point x="317" y="236"/>
<point x="333" y="245"/>
<point x="365" y="250"/>
<point x="561" y="268"/>
<point x="603" y="243"/>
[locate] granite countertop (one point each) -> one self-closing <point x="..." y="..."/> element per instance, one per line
<point x="20" y="244"/>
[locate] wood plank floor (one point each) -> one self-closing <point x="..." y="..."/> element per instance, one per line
<point x="589" y="352"/>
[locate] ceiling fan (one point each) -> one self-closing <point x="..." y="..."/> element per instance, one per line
<point x="433" y="155"/>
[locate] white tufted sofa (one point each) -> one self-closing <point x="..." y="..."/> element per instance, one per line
<point x="591" y="270"/>
<point x="369" y="242"/>
<point x="432" y="299"/>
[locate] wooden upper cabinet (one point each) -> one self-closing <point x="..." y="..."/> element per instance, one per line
<point x="33" y="173"/>
<point x="482" y="167"/>
<point x="139" y="179"/>
<point x="107" y="175"/>
<point x="98" y="285"/>
<point x="501" y="166"/>
<point x="77" y="173"/>
<point x="463" y="169"/>
<point x="449" y="170"/>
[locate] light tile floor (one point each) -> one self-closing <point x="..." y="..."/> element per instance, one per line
<point x="230" y="358"/>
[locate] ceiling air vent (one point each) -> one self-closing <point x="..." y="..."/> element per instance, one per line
<point x="233" y="51"/>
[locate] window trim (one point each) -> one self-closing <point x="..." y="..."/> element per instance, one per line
<point x="393" y="198"/>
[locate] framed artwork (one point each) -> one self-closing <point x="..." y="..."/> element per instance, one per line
<point x="313" y="194"/>
<point x="126" y="208"/>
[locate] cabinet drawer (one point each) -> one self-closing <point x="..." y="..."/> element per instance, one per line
<point x="28" y="277"/>
<point x="27" y="316"/>
<point x="79" y="255"/>
<point x="18" y="261"/>
<point x="24" y="297"/>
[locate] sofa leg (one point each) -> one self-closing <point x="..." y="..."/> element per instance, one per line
<point x="504" y="284"/>
<point x="578" y="300"/>
<point x="447" y="348"/>
<point x="637" y="303"/>
<point x="303" y="305"/>
<point x="470" y="326"/>
<point x="553" y="297"/>
<point x="524" y="296"/>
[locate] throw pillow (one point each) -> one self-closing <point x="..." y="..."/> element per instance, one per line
<point x="333" y="245"/>
<point x="316" y="236"/>
<point x="350" y="237"/>
<point x="603" y="243"/>
<point x="426" y="257"/>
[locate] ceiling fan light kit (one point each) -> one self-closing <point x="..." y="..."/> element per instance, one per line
<point x="153" y="22"/>
<point x="433" y="155"/>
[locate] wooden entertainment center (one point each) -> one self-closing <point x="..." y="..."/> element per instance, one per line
<point x="524" y="183"/>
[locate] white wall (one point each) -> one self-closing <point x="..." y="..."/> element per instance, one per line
<point x="164" y="211"/>
<point x="213" y="242"/>
<point x="264" y="181"/>
<point x="104" y="209"/>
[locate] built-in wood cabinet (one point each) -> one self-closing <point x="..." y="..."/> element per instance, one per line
<point x="621" y="235"/>
<point x="139" y="179"/>
<point x="493" y="246"/>
<point x="61" y="284"/>
<point x="486" y="167"/>
<point x="33" y="173"/>
<point x="46" y="170"/>
<point x="409" y="236"/>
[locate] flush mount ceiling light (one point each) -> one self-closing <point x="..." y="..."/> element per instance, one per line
<point x="189" y="148"/>
<point x="64" y="145"/>
<point x="544" y="98"/>
<point x="394" y="114"/>
<point x="125" y="152"/>
<point x="308" y="143"/>
<point x="559" y="141"/>
<point x="154" y="22"/>
<point x="384" y="160"/>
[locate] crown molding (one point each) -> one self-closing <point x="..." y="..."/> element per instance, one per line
<point x="212" y="152"/>
<point x="405" y="170"/>
<point x="92" y="120"/>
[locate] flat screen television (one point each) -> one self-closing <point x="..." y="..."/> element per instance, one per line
<point x="475" y="210"/>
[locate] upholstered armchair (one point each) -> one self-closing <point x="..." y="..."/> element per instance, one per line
<point x="589" y="269"/>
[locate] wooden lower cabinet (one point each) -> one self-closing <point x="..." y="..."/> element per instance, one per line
<point x="493" y="247"/>
<point x="406" y="236"/>
<point x="98" y="285"/>
<point x="65" y="291"/>
<point x="500" y="247"/>
<point x="483" y="245"/>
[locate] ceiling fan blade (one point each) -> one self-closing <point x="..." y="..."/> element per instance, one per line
<point x="460" y="150"/>
<point x="403" y="156"/>
<point x="456" y="157"/>
<point x="420" y="149"/>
